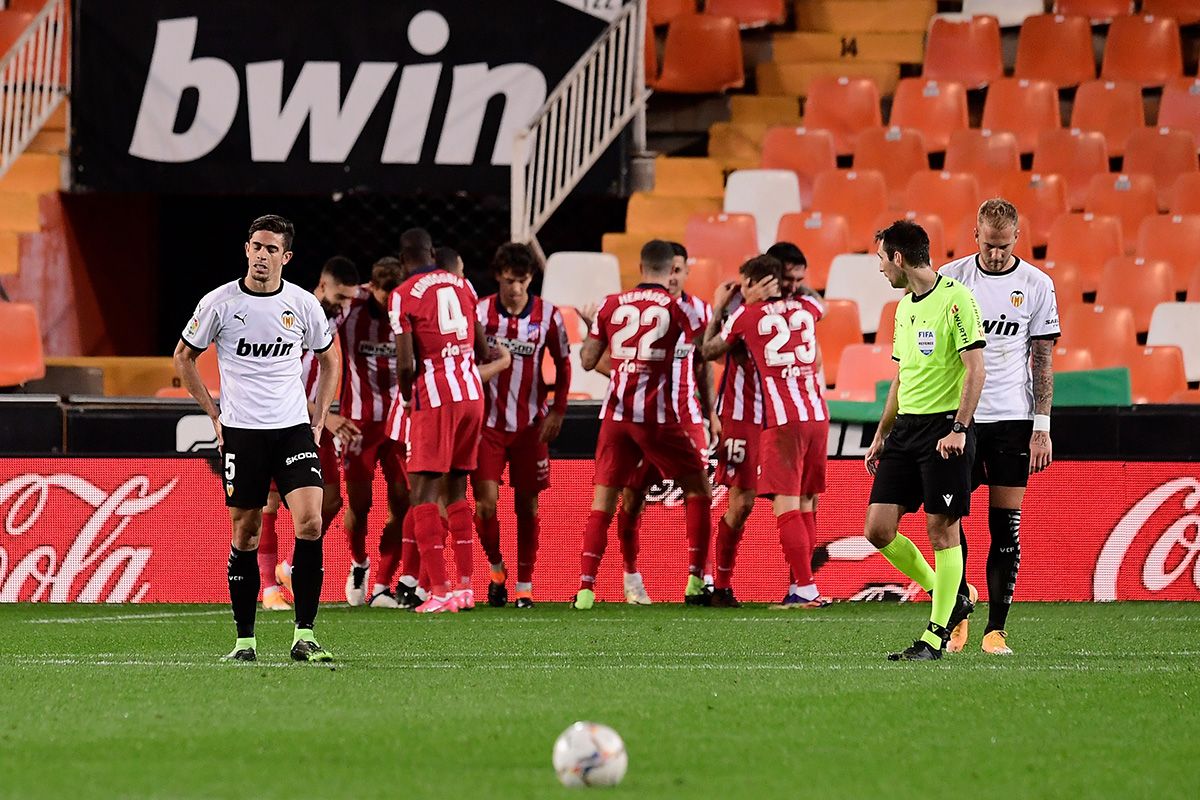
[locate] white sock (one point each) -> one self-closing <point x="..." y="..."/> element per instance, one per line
<point x="524" y="587"/>
<point x="408" y="580"/>
<point x="632" y="575"/>
<point x="793" y="588"/>
<point x="354" y="563"/>
<point x="809" y="591"/>
<point x="378" y="588"/>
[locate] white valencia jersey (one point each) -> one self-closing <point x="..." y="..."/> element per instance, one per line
<point x="260" y="340"/>
<point x="1017" y="306"/>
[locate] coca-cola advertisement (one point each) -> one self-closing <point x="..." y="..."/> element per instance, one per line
<point x="156" y="530"/>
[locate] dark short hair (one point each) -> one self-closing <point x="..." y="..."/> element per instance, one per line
<point x="679" y="250"/>
<point x="446" y="258"/>
<point x="387" y="273"/>
<point x="342" y="270"/>
<point x="273" y="223"/>
<point x="517" y="258"/>
<point x="788" y="253"/>
<point x="761" y="267"/>
<point x="416" y="247"/>
<point x="657" y="256"/>
<point x="906" y="238"/>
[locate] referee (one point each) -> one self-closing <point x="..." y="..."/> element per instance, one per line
<point x="924" y="446"/>
<point x="261" y="325"/>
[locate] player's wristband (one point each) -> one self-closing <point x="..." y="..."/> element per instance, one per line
<point x="1041" y="422"/>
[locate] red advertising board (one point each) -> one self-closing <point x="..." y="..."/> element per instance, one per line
<point x="156" y="530"/>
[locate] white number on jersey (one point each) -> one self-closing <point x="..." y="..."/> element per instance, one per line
<point x="631" y="322"/>
<point x="450" y="314"/>
<point x="800" y="320"/>
<point x="735" y="450"/>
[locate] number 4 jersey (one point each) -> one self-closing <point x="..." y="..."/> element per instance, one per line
<point x="780" y="336"/>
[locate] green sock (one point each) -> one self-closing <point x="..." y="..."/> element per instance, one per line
<point x="247" y="642"/>
<point x="945" y="589"/>
<point x="304" y="633"/>
<point x="905" y="556"/>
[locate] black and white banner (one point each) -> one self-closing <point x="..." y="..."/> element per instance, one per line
<point x="281" y="96"/>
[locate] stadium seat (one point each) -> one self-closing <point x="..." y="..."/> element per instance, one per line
<point x="857" y="278"/>
<point x="766" y="195"/>
<point x="210" y="370"/>
<point x="1009" y="13"/>
<point x="688" y="177"/>
<point x="1024" y="107"/>
<point x="21" y="359"/>
<point x="730" y="239"/>
<point x="627" y="249"/>
<point x="1189" y="397"/>
<point x="966" y="51"/>
<point x="662" y="12"/>
<point x="895" y="153"/>
<point x="952" y="196"/>
<point x="1163" y="153"/>
<point x="1072" y="359"/>
<point x="857" y="196"/>
<point x="1179" y="108"/>
<point x="650" y="212"/>
<point x="580" y="279"/>
<point x="765" y="109"/>
<point x="1056" y="48"/>
<point x="860" y="368"/>
<point x="1041" y="198"/>
<point x="1185" y="198"/>
<point x="575" y="326"/>
<point x="704" y="276"/>
<point x="749" y="13"/>
<point x="844" y="107"/>
<point x="1156" y="374"/>
<point x="650" y="55"/>
<point x="1174" y="238"/>
<point x="804" y="151"/>
<point x="837" y="330"/>
<point x="1095" y="10"/>
<point x="1178" y="324"/>
<point x="797" y="78"/>
<point x="1193" y="287"/>
<point x="939" y="248"/>
<point x="1114" y="108"/>
<point x="1142" y="49"/>
<point x="718" y="71"/>
<point x="586" y="383"/>
<point x="965" y="243"/>
<point x="820" y="236"/>
<point x="886" y="330"/>
<point x="1088" y="242"/>
<point x="991" y="156"/>
<point x="1107" y="331"/>
<point x="1075" y="156"/>
<point x="1129" y="198"/>
<point x="935" y="108"/>
<point x="1067" y="285"/>
<point x="1138" y="284"/>
<point x="1185" y="12"/>
<point x="736" y="145"/>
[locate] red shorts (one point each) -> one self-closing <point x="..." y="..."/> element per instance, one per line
<point x="527" y="456"/>
<point x="788" y="450"/>
<point x="737" y="454"/>
<point x="622" y="446"/>
<point x="374" y="447"/>
<point x="445" y="438"/>
<point x="812" y="474"/>
<point x="647" y="474"/>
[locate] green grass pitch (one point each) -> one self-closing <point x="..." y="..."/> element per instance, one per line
<point x="131" y="701"/>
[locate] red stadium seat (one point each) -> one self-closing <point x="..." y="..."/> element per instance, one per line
<point x="1056" y="48"/>
<point x="820" y="236"/>
<point x="1129" y="198"/>
<point x="1174" y="238"/>
<point x="1185" y="12"/>
<point x="1067" y="286"/>
<point x="1072" y="359"/>
<point x="860" y="368"/>
<point x="952" y="196"/>
<point x="749" y="13"/>
<point x="704" y="276"/>
<point x="1180" y="106"/>
<point x="1163" y="153"/>
<point x="805" y="151"/>
<point x="662" y="12"/>
<point x="836" y="331"/>
<point x="1137" y="284"/>
<point x="857" y="196"/>
<point x="1193" y="287"/>
<point x="1095" y="10"/>
<point x="1156" y="374"/>
<point x="966" y="51"/>
<point x="1088" y="242"/>
<point x="21" y="358"/>
<point x="575" y="327"/>
<point x="844" y="107"/>
<point x="1076" y="157"/>
<point x="896" y="153"/>
<point x="1024" y="107"/>
<point x="1185" y="198"/>
<point x="1114" y="108"/>
<point x="991" y="156"/>
<point x="730" y="239"/>
<point x="932" y="223"/>
<point x="886" y="331"/>
<point x="935" y="108"/>
<point x="1042" y="198"/>
<point x="718" y="71"/>
<point x="1107" y="331"/>
<point x="1142" y="49"/>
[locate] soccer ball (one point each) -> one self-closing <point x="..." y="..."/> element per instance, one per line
<point x="590" y="754"/>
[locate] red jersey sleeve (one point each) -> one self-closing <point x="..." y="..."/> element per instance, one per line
<point x="599" y="330"/>
<point x="814" y="306"/>
<point x="734" y="329"/>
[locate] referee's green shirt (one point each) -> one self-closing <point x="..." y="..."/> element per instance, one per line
<point x="931" y="330"/>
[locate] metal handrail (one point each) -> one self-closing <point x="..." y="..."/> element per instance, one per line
<point x="31" y="83"/>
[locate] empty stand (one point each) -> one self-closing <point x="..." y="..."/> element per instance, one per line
<point x="1185" y="197"/>
<point x="662" y="12"/>
<point x="1174" y="238"/>
<point x="729" y="239"/>
<point x="857" y="278"/>
<point x="688" y="177"/>
<point x="749" y="13"/>
<point x="836" y="331"/>
<point x="860" y="368"/>
<point x="935" y="108"/>
<point x="965" y="242"/>
<point x="859" y="196"/>
<point x="886" y="330"/>
<point x="821" y="236"/>
<point x="765" y="109"/>
<point x="952" y="196"/>
<point x="844" y="107"/>
<point x="895" y="153"/>
<point x="1023" y="107"/>
<point x="1163" y="153"/>
<point x="804" y="151"/>
<point x="1112" y="108"/>
<point x="1056" y="48"/>
<point x="1041" y="198"/>
<point x="798" y="78"/>
<point x="1094" y="10"/>
<point x="1193" y="287"/>
<point x="1156" y="374"/>
<point x="574" y="324"/>
<point x="1190" y="397"/>
<point x="1180" y="105"/>
<point x="1143" y="49"/>
<point x="736" y="145"/>
<point x="1009" y="13"/>
<point x="991" y="156"/>
<point x="1067" y="285"/>
<point x="580" y="279"/>
<point x="1088" y="241"/>
<point x="721" y="67"/>
<point x="704" y="276"/>
<point x="966" y="51"/>
<point x="859" y="17"/>
<point x="1072" y="359"/>
<point x="1129" y="198"/>
<point x="1185" y="12"/>
<point x="21" y="358"/>
<point x="1178" y="324"/>
<point x="765" y="194"/>
<point x="650" y="212"/>
<point x="1138" y="284"/>
<point x="627" y="249"/>
<point x="1076" y="156"/>
<point x="1107" y="331"/>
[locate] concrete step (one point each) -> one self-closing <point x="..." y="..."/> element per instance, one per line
<point x="10" y="253"/>
<point x="33" y="172"/>
<point x="904" y="47"/>
<point x="53" y="142"/>
<point x="860" y="16"/>
<point x="19" y="212"/>
<point x="793" y="79"/>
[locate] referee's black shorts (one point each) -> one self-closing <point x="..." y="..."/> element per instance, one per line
<point x="1002" y="453"/>
<point x="912" y="472"/>
<point x="251" y="458"/>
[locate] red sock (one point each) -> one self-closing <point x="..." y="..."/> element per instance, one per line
<point x="268" y="550"/>
<point x="428" y="526"/>
<point x="699" y="532"/>
<point x="488" y="530"/>
<point x="810" y="537"/>
<point x="727" y="546"/>
<point x="529" y="528"/>
<point x="357" y="539"/>
<point x="390" y="548"/>
<point x="791" y="537"/>
<point x="458" y="517"/>
<point x="595" y="539"/>
<point x="410" y="554"/>
<point x="627" y="535"/>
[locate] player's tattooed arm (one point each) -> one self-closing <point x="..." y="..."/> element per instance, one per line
<point x="189" y="376"/>
<point x="1041" y="449"/>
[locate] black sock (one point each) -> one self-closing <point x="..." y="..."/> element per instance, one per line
<point x="1004" y="558"/>
<point x="962" y="541"/>
<point x="307" y="575"/>
<point x="243" y="589"/>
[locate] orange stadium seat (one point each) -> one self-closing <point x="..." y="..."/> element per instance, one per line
<point x="210" y="373"/>
<point x="965" y="242"/>
<point x="1107" y="331"/>
<point x="688" y="177"/>
<point x="1142" y="49"/>
<point x="704" y="276"/>
<point x="966" y="51"/>
<point x="1072" y="359"/>
<point x="1088" y="242"/>
<point x="1138" y="284"/>
<point x="649" y="212"/>
<point x="650" y="55"/>
<point x="1024" y="107"/>
<point x="860" y="368"/>
<point x="1056" y="48"/>
<point x="1190" y="397"/>
<point x="1067" y="286"/>
<point x="21" y="359"/>
<point x="730" y="239"/>
<point x="1185" y="198"/>
<point x="820" y="236"/>
<point x="749" y="13"/>
<point x="1180" y="105"/>
<point x="1185" y="12"/>
<point x="887" y="323"/>
<point x="1174" y="238"/>
<point x="1163" y="153"/>
<point x="896" y="153"/>
<point x="1041" y="198"/>
<point x="805" y="151"/>
<point x="857" y="196"/>
<point x="991" y="156"/>
<point x="662" y="12"/>
<point x="952" y="196"/>
<point x="844" y="107"/>
<point x="1074" y="155"/>
<point x="935" y="108"/>
<point x="627" y="247"/>
<point x="836" y="331"/>
<point x="1129" y="198"/>
<point x="1156" y="374"/>
<point x="1094" y="10"/>
<point x="718" y="71"/>
<point x="574" y="324"/>
<point x="1193" y="287"/>
<point x="1114" y="108"/>
<point x="932" y="223"/>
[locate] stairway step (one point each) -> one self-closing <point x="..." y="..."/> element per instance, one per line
<point x="49" y="141"/>
<point x="857" y="16"/>
<point x="33" y="172"/>
<point x="10" y="253"/>
<point x="904" y="47"/>
<point x="19" y="212"/>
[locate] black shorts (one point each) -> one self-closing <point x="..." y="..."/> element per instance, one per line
<point x="911" y="471"/>
<point x="1002" y="453"/>
<point x="252" y="458"/>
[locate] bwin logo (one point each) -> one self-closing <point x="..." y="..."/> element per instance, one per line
<point x="1000" y="327"/>
<point x="335" y="123"/>
<point x="264" y="349"/>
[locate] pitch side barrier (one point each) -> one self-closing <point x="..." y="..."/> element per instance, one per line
<point x="118" y="502"/>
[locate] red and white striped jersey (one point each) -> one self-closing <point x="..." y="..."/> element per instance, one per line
<point x="780" y="336"/>
<point x="310" y="368"/>
<point x="740" y="395"/>
<point x="398" y="421"/>
<point x="516" y="398"/>
<point x="435" y="307"/>
<point x="642" y="328"/>
<point x="368" y="360"/>
<point x="684" y="391"/>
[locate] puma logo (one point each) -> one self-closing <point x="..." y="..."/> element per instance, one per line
<point x="240" y="318"/>
<point x="947" y="498"/>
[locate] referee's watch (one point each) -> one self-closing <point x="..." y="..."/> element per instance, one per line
<point x="958" y="427"/>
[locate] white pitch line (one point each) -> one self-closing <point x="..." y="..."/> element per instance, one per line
<point x="126" y="617"/>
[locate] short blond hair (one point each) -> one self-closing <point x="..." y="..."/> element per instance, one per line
<point x="997" y="213"/>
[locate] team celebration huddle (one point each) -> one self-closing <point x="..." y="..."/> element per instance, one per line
<point x="439" y="388"/>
